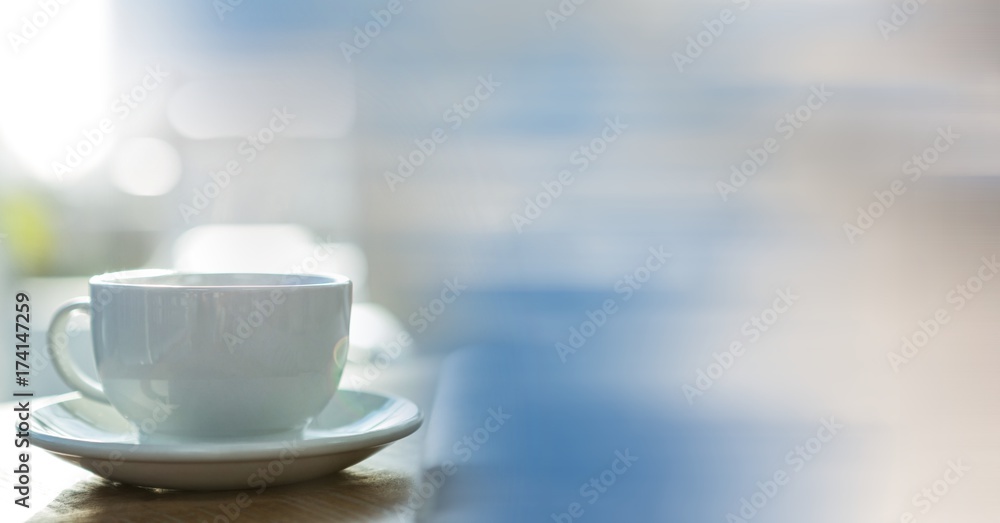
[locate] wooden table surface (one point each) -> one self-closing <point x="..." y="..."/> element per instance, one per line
<point x="376" y="489"/>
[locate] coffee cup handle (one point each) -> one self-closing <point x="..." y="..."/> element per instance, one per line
<point x="59" y="348"/>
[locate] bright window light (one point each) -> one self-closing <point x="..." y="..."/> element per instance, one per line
<point x="55" y="89"/>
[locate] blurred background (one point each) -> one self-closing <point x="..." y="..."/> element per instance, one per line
<point x="528" y="159"/>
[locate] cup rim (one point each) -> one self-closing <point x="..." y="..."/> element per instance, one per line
<point x="128" y="278"/>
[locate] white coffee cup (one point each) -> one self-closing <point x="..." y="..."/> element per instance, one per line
<point x="211" y="355"/>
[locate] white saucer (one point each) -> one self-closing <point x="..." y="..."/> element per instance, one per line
<point x="94" y="436"/>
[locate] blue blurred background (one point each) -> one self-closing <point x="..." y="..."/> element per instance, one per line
<point x="492" y="174"/>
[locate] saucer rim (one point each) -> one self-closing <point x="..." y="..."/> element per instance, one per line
<point x="223" y="452"/>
